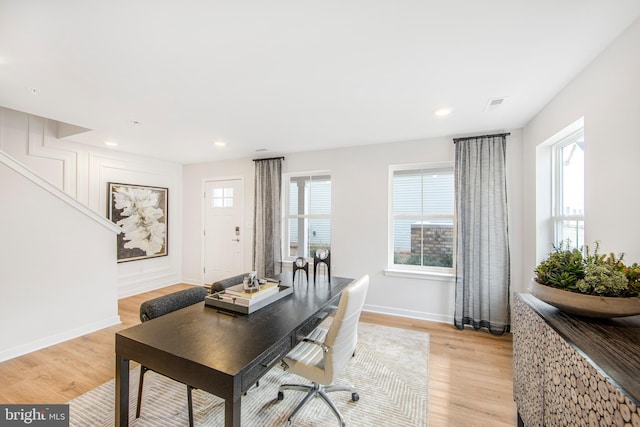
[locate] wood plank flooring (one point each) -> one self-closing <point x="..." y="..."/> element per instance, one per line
<point x="470" y="372"/>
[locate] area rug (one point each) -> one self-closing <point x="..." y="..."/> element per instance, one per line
<point x="389" y="370"/>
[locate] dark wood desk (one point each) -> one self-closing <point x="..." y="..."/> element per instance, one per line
<point x="220" y="353"/>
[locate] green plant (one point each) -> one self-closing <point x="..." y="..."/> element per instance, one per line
<point x="589" y="273"/>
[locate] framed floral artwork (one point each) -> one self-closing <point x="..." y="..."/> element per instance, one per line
<point x="141" y="212"/>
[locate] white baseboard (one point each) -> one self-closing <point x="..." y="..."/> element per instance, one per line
<point x="58" y="338"/>
<point x="432" y="317"/>
<point x="135" y="287"/>
<point x="196" y="282"/>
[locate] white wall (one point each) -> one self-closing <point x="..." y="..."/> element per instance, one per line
<point x="360" y="179"/>
<point x="57" y="266"/>
<point x="83" y="172"/>
<point x="607" y="95"/>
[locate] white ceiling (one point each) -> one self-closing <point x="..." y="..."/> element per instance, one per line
<point x="292" y="75"/>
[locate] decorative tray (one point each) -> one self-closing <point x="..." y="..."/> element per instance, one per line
<point x="246" y="304"/>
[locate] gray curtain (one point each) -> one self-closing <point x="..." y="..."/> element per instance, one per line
<point x="482" y="238"/>
<point x="266" y="214"/>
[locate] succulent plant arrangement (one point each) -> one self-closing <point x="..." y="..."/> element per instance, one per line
<point x="588" y="273"/>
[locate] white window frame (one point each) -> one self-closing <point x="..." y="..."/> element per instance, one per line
<point x="403" y="270"/>
<point x="286" y="216"/>
<point x="557" y="194"/>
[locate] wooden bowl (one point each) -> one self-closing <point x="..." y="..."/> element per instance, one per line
<point x="585" y="305"/>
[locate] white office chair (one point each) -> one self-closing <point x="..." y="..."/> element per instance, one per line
<point x="323" y="354"/>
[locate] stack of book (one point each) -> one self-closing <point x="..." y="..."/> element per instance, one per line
<point x="237" y="295"/>
<point x="236" y="299"/>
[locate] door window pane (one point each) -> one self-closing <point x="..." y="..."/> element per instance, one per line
<point x="222" y="198"/>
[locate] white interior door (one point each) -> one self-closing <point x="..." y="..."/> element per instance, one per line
<point x="223" y="234"/>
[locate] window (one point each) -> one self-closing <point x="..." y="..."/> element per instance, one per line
<point x="308" y="214"/>
<point x="222" y="197"/>
<point x="568" y="190"/>
<point x="422" y="218"/>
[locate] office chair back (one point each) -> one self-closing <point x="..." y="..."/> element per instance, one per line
<point x="342" y="336"/>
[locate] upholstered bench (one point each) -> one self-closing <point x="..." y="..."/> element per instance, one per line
<point x="174" y="301"/>
<point x="223" y="284"/>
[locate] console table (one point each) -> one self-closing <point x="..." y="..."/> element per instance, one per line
<point x="569" y="370"/>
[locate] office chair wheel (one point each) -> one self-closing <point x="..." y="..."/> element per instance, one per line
<point x="280" y="395"/>
<point x="355" y="397"/>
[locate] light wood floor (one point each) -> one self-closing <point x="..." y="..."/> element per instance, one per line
<point x="470" y="372"/>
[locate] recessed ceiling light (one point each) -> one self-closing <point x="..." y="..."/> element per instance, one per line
<point x="443" y="112"/>
<point x="220" y="144"/>
<point x="34" y="91"/>
<point x="136" y="122"/>
<point x="111" y="143"/>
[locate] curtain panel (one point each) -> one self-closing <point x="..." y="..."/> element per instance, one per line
<point x="482" y="237"/>
<point x="267" y="235"/>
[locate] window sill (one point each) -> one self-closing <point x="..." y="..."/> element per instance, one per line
<point x="428" y="275"/>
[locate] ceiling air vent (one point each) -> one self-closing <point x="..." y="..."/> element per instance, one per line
<point x="494" y="104"/>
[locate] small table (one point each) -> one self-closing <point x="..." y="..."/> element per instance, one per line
<point x="220" y="352"/>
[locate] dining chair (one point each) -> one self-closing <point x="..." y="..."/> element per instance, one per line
<point x="160" y="306"/>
